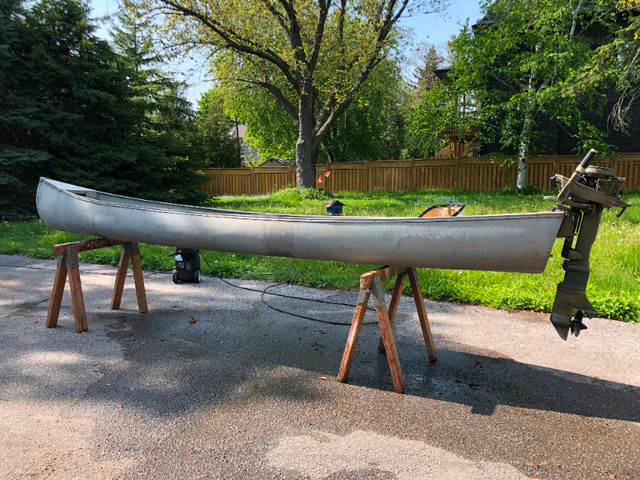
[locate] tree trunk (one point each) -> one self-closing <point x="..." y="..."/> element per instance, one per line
<point x="525" y="134"/>
<point x="307" y="146"/>
<point x="306" y="159"/>
<point x="523" y="160"/>
<point x="523" y="153"/>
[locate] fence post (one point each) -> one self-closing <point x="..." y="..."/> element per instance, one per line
<point x="251" y="179"/>
<point x="366" y="176"/>
<point x="412" y="175"/>
<point x="219" y="192"/>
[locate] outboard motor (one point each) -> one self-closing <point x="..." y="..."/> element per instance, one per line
<point x="582" y="197"/>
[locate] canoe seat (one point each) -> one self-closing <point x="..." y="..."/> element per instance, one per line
<point x="446" y="210"/>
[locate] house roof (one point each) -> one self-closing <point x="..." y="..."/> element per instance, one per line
<point x="274" y="161"/>
<point x="443" y="74"/>
<point x="333" y="202"/>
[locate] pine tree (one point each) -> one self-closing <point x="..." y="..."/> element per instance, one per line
<point x="164" y="133"/>
<point x="75" y="110"/>
<point x="18" y="159"/>
<point x="81" y="96"/>
<point x="424" y="77"/>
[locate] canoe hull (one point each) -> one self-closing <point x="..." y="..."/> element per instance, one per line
<point x="510" y="242"/>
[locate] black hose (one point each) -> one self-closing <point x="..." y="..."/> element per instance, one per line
<point x="265" y="291"/>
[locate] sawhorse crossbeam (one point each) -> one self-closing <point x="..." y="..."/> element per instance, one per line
<point x="68" y="266"/>
<point x="371" y="284"/>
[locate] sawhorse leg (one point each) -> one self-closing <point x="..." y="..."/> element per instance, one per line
<point x="354" y="334"/>
<point x="68" y="265"/>
<point x="130" y="252"/>
<point x="422" y="314"/>
<point x="56" y="294"/>
<point x="393" y="304"/>
<point x="422" y="311"/>
<point x="371" y="284"/>
<point x="387" y="334"/>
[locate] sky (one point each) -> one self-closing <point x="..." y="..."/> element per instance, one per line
<point x="433" y="29"/>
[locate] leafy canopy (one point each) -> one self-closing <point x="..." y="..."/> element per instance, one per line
<point x="311" y="56"/>
<point x="512" y="71"/>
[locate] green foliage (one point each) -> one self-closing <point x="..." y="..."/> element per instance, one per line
<point x="269" y="129"/>
<point x="163" y="133"/>
<point x="424" y="76"/>
<point x="19" y="163"/>
<point x="511" y="73"/>
<point x="424" y="125"/>
<point x="373" y="125"/>
<point x="212" y="145"/>
<point x="73" y="109"/>
<point x="311" y="57"/>
<point x="78" y="97"/>
<point x="620" y="305"/>
<point x="615" y="64"/>
<point x="422" y="122"/>
<point x="18" y="176"/>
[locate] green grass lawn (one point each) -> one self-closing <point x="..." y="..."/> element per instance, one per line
<point x="614" y="285"/>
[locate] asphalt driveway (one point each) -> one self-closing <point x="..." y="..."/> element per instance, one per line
<point x="214" y="383"/>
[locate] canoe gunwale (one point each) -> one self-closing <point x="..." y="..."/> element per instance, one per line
<point x="139" y="204"/>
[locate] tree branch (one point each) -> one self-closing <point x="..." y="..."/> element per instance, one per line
<point x="319" y="34"/>
<point x="329" y="112"/>
<point x="235" y="41"/>
<point x="284" y="102"/>
<point x="295" y="38"/>
<point x="278" y="16"/>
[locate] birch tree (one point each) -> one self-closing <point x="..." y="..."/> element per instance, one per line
<point x="515" y="66"/>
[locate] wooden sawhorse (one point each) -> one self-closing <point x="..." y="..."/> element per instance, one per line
<point x="371" y="284"/>
<point x="68" y="265"/>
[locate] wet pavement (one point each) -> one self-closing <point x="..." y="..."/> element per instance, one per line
<point x="214" y="383"/>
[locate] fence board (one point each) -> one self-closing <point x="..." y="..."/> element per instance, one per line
<point x="476" y="173"/>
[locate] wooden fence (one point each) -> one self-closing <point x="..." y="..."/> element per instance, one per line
<point x="477" y="173"/>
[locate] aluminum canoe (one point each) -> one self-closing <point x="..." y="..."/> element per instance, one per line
<point x="519" y="242"/>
